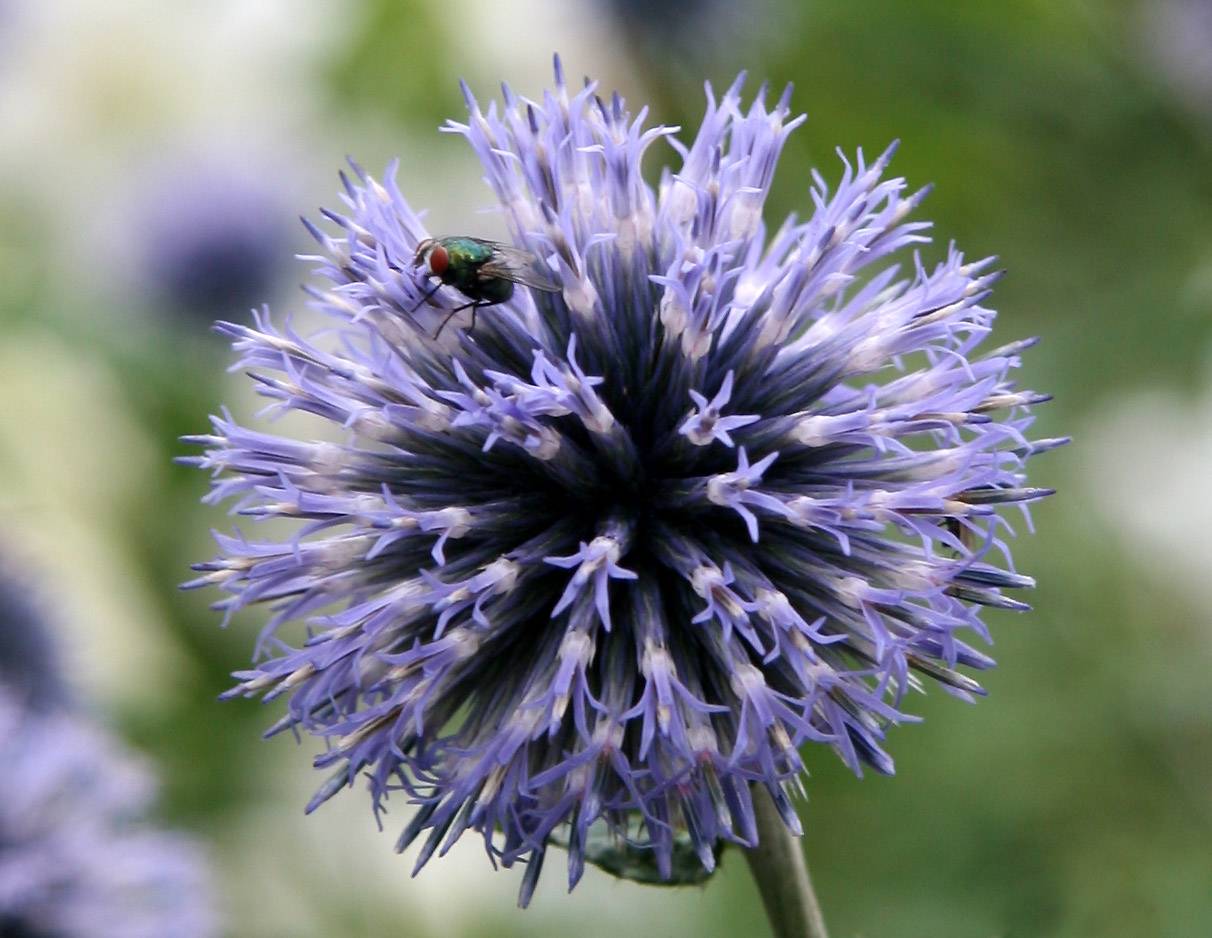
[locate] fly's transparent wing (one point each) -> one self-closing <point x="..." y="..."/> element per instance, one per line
<point x="510" y="263"/>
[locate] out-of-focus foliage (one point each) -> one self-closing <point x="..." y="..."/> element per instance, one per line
<point x="1074" y="801"/>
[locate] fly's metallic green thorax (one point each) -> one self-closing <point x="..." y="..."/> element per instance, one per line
<point x="467" y="250"/>
<point x="466" y="257"/>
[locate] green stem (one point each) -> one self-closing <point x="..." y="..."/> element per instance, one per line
<point x="778" y="867"/>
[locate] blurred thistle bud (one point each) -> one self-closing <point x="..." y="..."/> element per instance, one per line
<point x="679" y="39"/>
<point x="209" y="236"/>
<point x="1177" y="35"/>
<point x="585" y="574"/>
<point x="30" y="669"/>
<point x="77" y="859"/>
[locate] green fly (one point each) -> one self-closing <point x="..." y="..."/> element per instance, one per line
<point x="483" y="271"/>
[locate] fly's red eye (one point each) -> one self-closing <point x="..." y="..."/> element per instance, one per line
<point x="439" y="260"/>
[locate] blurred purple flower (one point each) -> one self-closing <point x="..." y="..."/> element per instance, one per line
<point x="698" y="30"/>
<point x="74" y="860"/>
<point x="30" y="669"/>
<point x="612" y="557"/>
<point x="1176" y="36"/>
<point x="209" y="237"/>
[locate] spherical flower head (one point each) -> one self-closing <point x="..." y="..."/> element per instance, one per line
<point x="207" y="235"/>
<point x="75" y="861"/>
<point x="597" y="567"/>
<point x="30" y="668"/>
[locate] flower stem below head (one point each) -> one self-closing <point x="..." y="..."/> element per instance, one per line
<point x="778" y="866"/>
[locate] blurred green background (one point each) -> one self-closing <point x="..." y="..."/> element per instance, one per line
<point x="1073" y="139"/>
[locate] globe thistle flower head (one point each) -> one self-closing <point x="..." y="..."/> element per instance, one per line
<point x="1174" y="35"/>
<point x="207" y="236"/>
<point x="589" y="572"/>
<point x="75" y="861"/>
<point x="30" y="669"/>
<point x="678" y="36"/>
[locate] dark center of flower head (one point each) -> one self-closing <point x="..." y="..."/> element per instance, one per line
<point x="13" y="926"/>
<point x="614" y="556"/>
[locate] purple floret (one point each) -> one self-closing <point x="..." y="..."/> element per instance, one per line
<point x="612" y="558"/>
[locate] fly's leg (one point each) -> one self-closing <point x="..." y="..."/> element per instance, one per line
<point x="423" y="300"/>
<point x="474" y="306"/>
<point x="458" y="309"/>
<point x="479" y="304"/>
